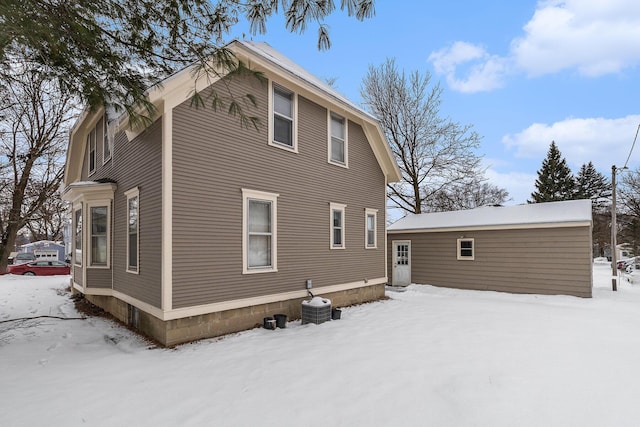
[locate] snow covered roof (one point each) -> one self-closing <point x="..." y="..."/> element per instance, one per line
<point x="267" y="52"/>
<point x="42" y="243"/>
<point x="576" y="212"/>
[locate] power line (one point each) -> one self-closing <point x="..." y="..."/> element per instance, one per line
<point x="633" y="145"/>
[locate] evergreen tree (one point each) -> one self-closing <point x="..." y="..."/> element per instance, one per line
<point x="591" y="184"/>
<point x="555" y="181"/>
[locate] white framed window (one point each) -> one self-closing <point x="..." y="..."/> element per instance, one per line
<point x="338" y="147"/>
<point x="259" y="231"/>
<point x="77" y="235"/>
<point x="337" y="218"/>
<point x="106" y="141"/>
<point x="466" y="249"/>
<point x="99" y="216"/>
<point x="133" y="230"/>
<point x="370" y="228"/>
<point x="91" y="149"/>
<point x="283" y="107"/>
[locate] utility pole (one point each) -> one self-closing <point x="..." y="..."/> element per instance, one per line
<point x="614" y="228"/>
<point x="614" y="263"/>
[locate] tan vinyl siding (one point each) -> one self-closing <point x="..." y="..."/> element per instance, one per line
<point x="543" y="261"/>
<point x="77" y="275"/>
<point x="213" y="159"/>
<point x="134" y="163"/>
<point x="98" y="278"/>
<point x="140" y="163"/>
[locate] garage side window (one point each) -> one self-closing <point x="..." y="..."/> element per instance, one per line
<point x="466" y="249"/>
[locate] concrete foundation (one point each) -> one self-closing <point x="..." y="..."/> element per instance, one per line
<point x="178" y="331"/>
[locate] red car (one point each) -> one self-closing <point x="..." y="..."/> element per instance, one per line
<point x="40" y="268"/>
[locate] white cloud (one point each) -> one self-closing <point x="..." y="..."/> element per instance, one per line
<point x="594" y="37"/>
<point x="520" y="185"/>
<point x="485" y="72"/>
<point x="605" y="142"/>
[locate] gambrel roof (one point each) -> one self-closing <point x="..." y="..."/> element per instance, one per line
<point x="179" y="87"/>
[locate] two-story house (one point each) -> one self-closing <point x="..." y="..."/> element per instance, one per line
<point x="195" y="227"/>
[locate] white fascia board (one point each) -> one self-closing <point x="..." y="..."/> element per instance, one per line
<point x="492" y="227"/>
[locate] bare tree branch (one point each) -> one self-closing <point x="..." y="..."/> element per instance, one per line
<point x="435" y="154"/>
<point x="36" y="117"/>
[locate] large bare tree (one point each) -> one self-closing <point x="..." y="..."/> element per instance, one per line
<point x="434" y="153"/>
<point x="35" y="115"/>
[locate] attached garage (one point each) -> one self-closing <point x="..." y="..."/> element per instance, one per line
<point x="542" y="248"/>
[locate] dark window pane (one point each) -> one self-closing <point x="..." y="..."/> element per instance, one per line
<point x="283" y="131"/>
<point x="133" y="251"/>
<point x="337" y="237"/>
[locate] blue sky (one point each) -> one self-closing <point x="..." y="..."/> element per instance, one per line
<point x="523" y="73"/>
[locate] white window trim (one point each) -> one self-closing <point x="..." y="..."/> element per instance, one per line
<point x="373" y="212"/>
<point x="130" y="194"/>
<point x="294" y="148"/>
<point x="345" y="140"/>
<point x="95" y="152"/>
<point x="88" y="241"/>
<point x="473" y="249"/>
<point x="78" y="207"/>
<point x="342" y="208"/>
<point x="247" y="195"/>
<point x="106" y="141"/>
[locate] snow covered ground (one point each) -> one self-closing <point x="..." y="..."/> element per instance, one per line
<point x="426" y="357"/>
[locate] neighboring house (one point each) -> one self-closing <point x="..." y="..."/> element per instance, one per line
<point x="46" y="250"/>
<point x="542" y="248"/>
<point x="196" y="227"/>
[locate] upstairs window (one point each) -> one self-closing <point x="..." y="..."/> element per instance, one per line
<point x="283" y="125"/>
<point x="337" y="140"/>
<point x="106" y="142"/>
<point x="91" y="149"/>
<point x="466" y="250"/>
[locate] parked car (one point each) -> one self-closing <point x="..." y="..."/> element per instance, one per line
<point x="24" y="258"/>
<point x="624" y="263"/>
<point x="628" y="265"/>
<point x="40" y="268"/>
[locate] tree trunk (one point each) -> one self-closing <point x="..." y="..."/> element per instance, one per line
<point x="8" y="243"/>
